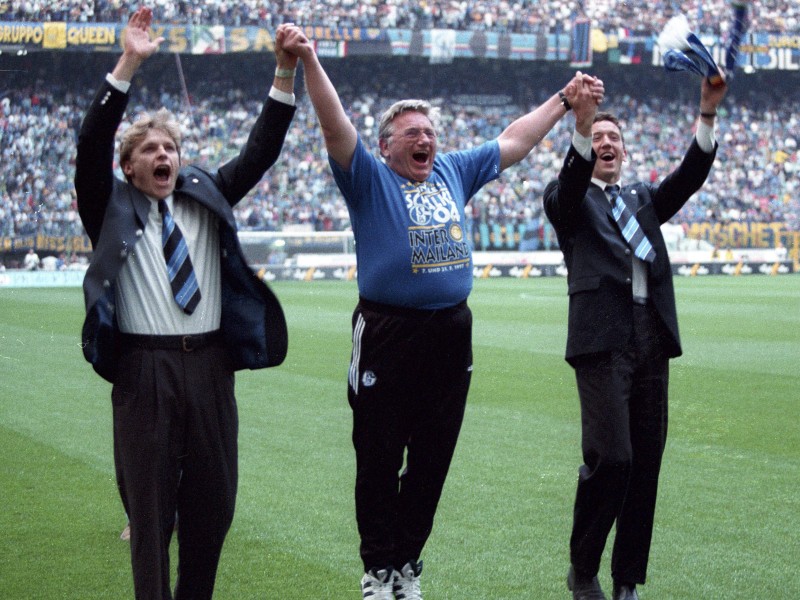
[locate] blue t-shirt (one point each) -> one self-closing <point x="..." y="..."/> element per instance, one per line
<point x="411" y="245"/>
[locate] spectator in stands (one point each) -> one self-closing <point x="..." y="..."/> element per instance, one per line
<point x="412" y="329"/>
<point x="623" y="329"/>
<point x="157" y="327"/>
<point x="774" y="16"/>
<point x="38" y="125"/>
<point x="31" y="262"/>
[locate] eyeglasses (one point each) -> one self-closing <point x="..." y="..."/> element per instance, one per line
<point x="413" y="134"/>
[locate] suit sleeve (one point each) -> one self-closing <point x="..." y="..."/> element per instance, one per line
<point x="563" y="195"/>
<point x="677" y="187"/>
<point x="264" y="144"/>
<point x="94" y="163"/>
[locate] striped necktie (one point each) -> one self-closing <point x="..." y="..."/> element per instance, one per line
<point x="629" y="227"/>
<point x="179" y="266"/>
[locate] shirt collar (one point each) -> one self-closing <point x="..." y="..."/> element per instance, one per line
<point x="603" y="185"/>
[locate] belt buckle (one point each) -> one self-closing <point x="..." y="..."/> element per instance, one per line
<point x="186" y="343"/>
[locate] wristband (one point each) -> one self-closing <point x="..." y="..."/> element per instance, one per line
<point x="708" y="115"/>
<point x="284" y="73"/>
<point x="564" y="102"/>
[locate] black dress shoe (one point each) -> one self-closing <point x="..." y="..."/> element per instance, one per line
<point x="625" y="592"/>
<point x="584" y="588"/>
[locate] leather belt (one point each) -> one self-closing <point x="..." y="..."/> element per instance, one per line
<point x="185" y="343"/>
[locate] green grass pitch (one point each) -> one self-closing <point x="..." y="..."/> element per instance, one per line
<point x="726" y="525"/>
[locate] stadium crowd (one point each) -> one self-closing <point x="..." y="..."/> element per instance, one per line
<point x="522" y="16"/>
<point x="755" y="178"/>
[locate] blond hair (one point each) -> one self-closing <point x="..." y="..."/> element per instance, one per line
<point x="162" y="120"/>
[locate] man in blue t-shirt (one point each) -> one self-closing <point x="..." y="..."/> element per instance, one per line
<point x="412" y="329"/>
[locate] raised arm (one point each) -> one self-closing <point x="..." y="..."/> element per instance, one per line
<point x="711" y="96"/>
<point x="265" y="142"/>
<point x="94" y="173"/>
<point x="137" y="46"/>
<point x="338" y="131"/>
<point x="522" y="135"/>
<point x="286" y="61"/>
<point x="584" y="93"/>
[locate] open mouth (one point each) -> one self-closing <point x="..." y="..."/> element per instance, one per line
<point x="162" y="173"/>
<point x="420" y="157"/>
<point x="607" y="157"/>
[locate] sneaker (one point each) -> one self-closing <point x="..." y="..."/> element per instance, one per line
<point x="406" y="582"/>
<point x="377" y="585"/>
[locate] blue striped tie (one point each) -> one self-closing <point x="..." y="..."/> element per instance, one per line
<point x="179" y="266"/>
<point x="629" y="227"/>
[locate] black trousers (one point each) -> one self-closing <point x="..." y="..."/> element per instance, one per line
<point x="409" y="377"/>
<point x="175" y="451"/>
<point x="623" y="396"/>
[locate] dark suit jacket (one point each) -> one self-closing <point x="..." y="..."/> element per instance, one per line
<point x="114" y="214"/>
<point x="598" y="259"/>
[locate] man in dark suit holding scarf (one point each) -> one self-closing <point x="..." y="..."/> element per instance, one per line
<point x="622" y="331"/>
<point x="172" y="311"/>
